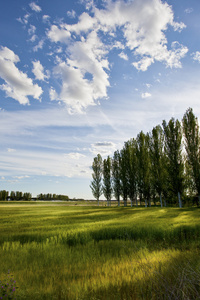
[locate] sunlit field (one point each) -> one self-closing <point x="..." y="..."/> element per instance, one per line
<point x="62" y="251"/>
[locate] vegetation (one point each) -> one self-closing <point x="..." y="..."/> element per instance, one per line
<point x="56" y="251"/>
<point x="19" y="196"/>
<point x="162" y="165"/>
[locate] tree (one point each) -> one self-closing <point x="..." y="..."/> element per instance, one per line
<point x="12" y="196"/>
<point x="107" y="183"/>
<point x="131" y="148"/>
<point x="27" y="196"/>
<point x="96" y="185"/>
<point x="116" y="176"/>
<point x="158" y="161"/>
<point x="144" y="175"/>
<point x="124" y="174"/>
<point x="4" y="195"/>
<point x="192" y="146"/>
<point x="173" y="150"/>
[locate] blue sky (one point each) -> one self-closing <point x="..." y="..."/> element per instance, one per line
<point x="78" y="78"/>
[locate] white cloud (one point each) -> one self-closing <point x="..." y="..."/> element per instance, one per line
<point x="103" y="148"/>
<point x="17" y="84"/>
<point x="21" y="177"/>
<point x="74" y="155"/>
<point x="11" y="150"/>
<point x="87" y="58"/>
<point x="142" y="25"/>
<point x="71" y="14"/>
<point x="56" y="34"/>
<point x="24" y="20"/>
<point x="38" y="46"/>
<point x="35" y="7"/>
<point x="52" y="94"/>
<point x="33" y="38"/>
<point x="86" y="23"/>
<point x="188" y="10"/>
<point x="148" y="85"/>
<point x="123" y="56"/>
<point x="145" y="95"/>
<point x="38" y="71"/>
<point x="31" y="29"/>
<point x="45" y="18"/>
<point x="196" y="56"/>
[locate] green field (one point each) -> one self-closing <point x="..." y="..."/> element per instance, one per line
<point x="60" y="251"/>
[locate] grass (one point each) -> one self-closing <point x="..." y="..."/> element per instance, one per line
<point x="86" y="252"/>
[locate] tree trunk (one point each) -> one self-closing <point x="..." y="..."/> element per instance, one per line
<point x="179" y="200"/>
<point x="131" y="202"/>
<point x="149" y="202"/>
<point x="125" y="202"/>
<point x="199" y="200"/>
<point x="165" y="203"/>
<point x="98" y="202"/>
<point x="161" y="200"/>
<point x="118" y="202"/>
<point x="136" y="202"/>
<point x="145" y="202"/>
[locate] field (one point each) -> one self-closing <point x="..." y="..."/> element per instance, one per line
<point x="61" y="251"/>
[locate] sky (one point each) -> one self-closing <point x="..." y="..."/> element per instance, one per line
<point x="81" y="77"/>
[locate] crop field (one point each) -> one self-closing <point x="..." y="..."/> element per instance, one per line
<point x="61" y="251"/>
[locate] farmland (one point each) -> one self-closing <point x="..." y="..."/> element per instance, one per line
<point x="62" y="251"/>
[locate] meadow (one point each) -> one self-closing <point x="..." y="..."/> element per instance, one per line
<point x="65" y="251"/>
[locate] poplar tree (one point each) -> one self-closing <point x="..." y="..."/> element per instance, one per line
<point x="131" y="148"/>
<point x="158" y="161"/>
<point x="124" y="174"/>
<point x="173" y="150"/>
<point x="144" y="163"/>
<point x="192" y="146"/>
<point x="116" y="176"/>
<point x="96" y="185"/>
<point x="107" y="183"/>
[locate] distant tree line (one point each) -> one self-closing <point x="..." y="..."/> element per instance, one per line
<point x="49" y="197"/>
<point x="160" y="166"/>
<point x="20" y="196"/>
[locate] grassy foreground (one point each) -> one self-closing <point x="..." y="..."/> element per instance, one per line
<point x="55" y="251"/>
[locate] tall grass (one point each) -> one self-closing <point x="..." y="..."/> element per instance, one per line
<point x="60" y="252"/>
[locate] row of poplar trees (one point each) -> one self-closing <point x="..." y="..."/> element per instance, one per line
<point x="163" y="165"/>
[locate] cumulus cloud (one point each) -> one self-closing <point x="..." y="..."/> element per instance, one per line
<point x="56" y="34"/>
<point x="38" y="71"/>
<point x="78" y="91"/>
<point x="35" y="7"/>
<point x="17" y="84"/>
<point x="141" y="26"/>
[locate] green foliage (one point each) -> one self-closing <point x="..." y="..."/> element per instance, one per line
<point x="107" y="183"/>
<point x="96" y="185"/>
<point x="192" y="145"/>
<point x="3" y="195"/>
<point x="116" y="176"/>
